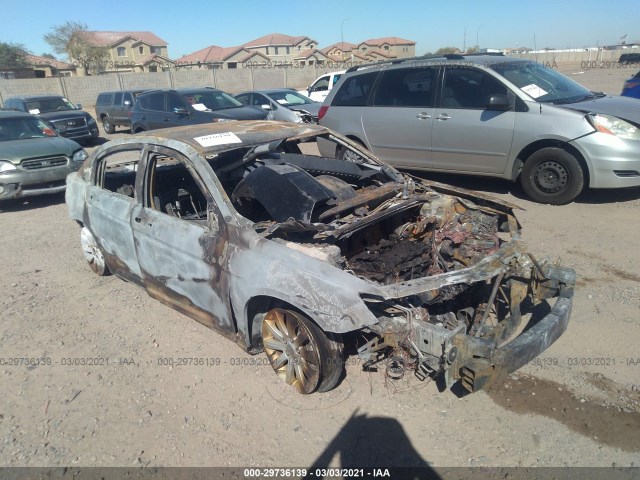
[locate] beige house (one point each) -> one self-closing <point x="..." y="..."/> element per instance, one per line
<point x="372" y="50"/>
<point x="132" y="51"/>
<point x="388" y="47"/>
<point x="279" y="47"/>
<point x="311" y="57"/>
<point x="49" y="67"/>
<point x="219" y="57"/>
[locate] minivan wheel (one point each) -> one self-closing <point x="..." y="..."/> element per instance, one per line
<point x="552" y="175"/>
<point x="344" y="153"/>
<point x="107" y="125"/>
<point x="300" y="353"/>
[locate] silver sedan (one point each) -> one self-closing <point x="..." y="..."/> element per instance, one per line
<point x="286" y="105"/>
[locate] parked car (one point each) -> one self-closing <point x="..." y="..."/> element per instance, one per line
<point x="628" y="58"/>
<point x="285" y="252"/>
<point x="112" y="108"/>
<point x="631" y="87"/>
<point x="321" y="87"/>
<point x="34" y="160"/>
<point x="66" y="118"/>
<point x="188" y="106"/>
<point x="286" y="105"/>
<point x="490" y="115"/>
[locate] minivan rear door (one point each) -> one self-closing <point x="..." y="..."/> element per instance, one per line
<point x="467" y="136"/>
<point x="398" y="120"/>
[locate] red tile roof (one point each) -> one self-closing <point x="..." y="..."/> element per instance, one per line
<point x="276" y="39"/>
<point x="342" y="46"/>
<point x="212" y="54"/>
<point x="107" y="39"/>
<point x="38" y="61"/>
<point x="381" y="53"/>
<point x="152" y="57"/>
<point x="310" y="52"/>
<point x="376" y="42"/>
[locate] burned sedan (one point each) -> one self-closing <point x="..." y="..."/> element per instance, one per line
<point x="288" y="253"/>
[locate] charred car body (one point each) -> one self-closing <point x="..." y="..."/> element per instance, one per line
<point x="284" y="252"/>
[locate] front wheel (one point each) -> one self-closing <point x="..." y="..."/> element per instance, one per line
<point x="552" y="175"/>
<point x="300" y="353"/>
<point x="107" y="125"/>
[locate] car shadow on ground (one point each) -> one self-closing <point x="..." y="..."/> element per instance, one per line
<point x="500" y="186"/>
<point x="96" y="142"/>
<point x="31" y="203"/>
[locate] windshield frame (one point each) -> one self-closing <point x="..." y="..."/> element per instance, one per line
<point x="535" y="77"/>
<point x="210" y="105"/>
<point x="35" y="106"/>
<point x="10" y="129"/>
<point x="282" y="95"/>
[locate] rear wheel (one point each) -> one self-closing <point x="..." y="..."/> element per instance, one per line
<point x="552" y="175"/>
<point x="300" y="353"/>
<point x="92" y="252"/>
<point x="107" y="125"/>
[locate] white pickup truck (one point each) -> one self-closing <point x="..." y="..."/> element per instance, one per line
<point x="319" y="89"/>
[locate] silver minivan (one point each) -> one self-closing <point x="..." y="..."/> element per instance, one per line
<point x="489" y="115"/>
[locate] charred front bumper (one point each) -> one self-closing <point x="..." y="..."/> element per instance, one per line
<point x="476" y="324"/>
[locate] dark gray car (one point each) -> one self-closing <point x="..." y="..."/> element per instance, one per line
<point x="490" y="115"/>
<point x="113" y="109"/>
<point x="34" y="160"/>
<point x="286" y="105"/>
<point x="189" y="106"/>
<point x="66" y="118"/>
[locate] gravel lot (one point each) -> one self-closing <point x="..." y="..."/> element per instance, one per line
<point x="577" y="405"/>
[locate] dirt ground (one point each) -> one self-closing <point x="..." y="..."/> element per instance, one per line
<point x="109" y="397"/>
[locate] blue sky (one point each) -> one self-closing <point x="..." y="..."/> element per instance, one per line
<point x="190" y="25"/>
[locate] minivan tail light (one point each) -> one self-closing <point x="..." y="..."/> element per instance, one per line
<point x="322" y="112"/>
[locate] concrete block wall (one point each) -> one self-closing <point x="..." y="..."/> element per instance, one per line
<point x="145" y="81"/>
<point x="233" y="81"/>
<point x="30" y="86"/>
<point x="85" y="90"/>
<point x="192" y="78"/>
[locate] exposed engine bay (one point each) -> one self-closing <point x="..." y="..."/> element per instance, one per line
<point x="390" y="229"/>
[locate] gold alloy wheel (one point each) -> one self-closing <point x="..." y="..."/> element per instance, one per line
<point x="292" y="349"/>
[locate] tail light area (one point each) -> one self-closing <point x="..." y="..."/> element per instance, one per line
<point x="322" y="112"/>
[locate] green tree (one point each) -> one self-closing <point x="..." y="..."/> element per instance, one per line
<point x="12" y="55"/>
<point x="74" y="40"/>
<point x="445" y="50"/>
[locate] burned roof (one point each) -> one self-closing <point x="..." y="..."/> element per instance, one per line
<point x="210" y="138"/>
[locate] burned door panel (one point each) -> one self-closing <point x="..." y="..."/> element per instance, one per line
<point x="181" y="240"/>
<point x="107" y="215"/>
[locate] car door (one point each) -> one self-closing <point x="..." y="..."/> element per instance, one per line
<point x="152" y="109"/>
<point x="117" y="113"/>
<point x="319" y="90"/>
<point x="466" y="135"/>
<point x="397" y="122"/>
<point x="110" y="200"/>
<point x="181" y="239"/>
<point x="177" y="112"/>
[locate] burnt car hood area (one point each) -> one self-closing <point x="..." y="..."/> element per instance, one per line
<point x="306" y="258"/>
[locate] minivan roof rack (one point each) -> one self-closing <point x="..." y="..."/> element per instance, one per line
<point x="446" y="56"/>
